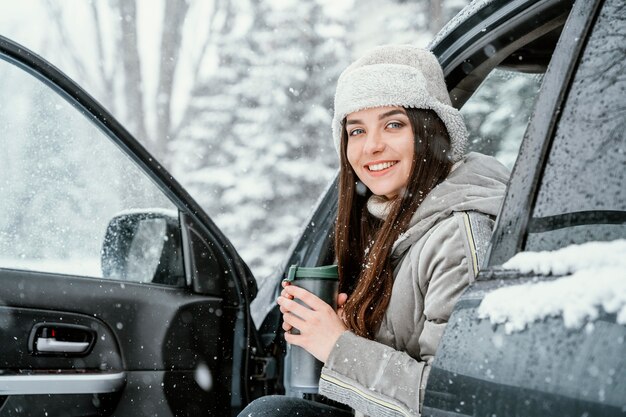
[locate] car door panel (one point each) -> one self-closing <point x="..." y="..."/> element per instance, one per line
<point x="133" y="312"/>
<point x="21" y="353"/>
<point x="154" y="337"/>
<point x="154" y="349"/>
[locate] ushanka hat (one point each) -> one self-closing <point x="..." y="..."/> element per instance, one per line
<point x="398" y="75"/>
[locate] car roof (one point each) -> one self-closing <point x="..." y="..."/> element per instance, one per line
<point x="519" y="35"/>
<point x="467" y="13"/>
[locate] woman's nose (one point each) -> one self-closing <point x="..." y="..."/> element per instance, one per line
<point x="374" y="143"/>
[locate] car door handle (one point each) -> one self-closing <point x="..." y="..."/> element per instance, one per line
<point x="51" y="345"/>
<point x="61" y="339"/>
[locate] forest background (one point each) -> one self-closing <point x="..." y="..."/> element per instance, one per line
<point x="233" y="97"/>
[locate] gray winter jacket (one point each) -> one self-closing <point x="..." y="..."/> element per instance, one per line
<point x="436" y="258"/>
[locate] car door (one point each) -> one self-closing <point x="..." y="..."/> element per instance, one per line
<point x="118" y="295"/>
<point x="554" y="352"/>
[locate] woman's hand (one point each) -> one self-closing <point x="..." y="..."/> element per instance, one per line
<point x="320" y="326"/>
<point x="341" y="302"/>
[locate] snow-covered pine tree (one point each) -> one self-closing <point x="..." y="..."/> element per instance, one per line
<point x="258" y="151"/>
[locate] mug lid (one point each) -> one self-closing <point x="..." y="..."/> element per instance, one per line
<point x="317" y="272"/>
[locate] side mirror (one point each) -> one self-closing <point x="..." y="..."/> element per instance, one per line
<point x="144" y="246"/>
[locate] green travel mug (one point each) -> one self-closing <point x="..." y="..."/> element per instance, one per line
<point x="302" y="370"/>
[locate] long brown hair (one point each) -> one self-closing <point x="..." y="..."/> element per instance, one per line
<point x="363" y="243"/>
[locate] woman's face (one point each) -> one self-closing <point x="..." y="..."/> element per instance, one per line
<point x="380" y="148"/>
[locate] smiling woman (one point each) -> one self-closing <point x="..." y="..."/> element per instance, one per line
<point x="412" y="206"/>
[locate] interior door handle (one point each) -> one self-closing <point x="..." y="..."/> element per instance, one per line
<point x="51" y="345"/>
<point x="61" y="339"/>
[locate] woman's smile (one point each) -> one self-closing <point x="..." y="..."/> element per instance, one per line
<point x="378" y="168"/>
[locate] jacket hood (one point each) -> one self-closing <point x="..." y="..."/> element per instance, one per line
<point x="476" y="183"/>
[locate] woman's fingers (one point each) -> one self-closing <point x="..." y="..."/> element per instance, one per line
<point x="293" y="339"/>
<point x="310" y="299"/>
<point x="284" y="293"/>
<point x="291" y="306"/>
<point x="293" y="320"/>
<point x="317" y="322"/>
<point x="286" y="326"/>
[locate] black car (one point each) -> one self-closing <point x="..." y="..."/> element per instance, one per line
<point x="167" y="328"/>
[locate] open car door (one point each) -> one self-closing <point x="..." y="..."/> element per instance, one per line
<point x="118" y="295"/>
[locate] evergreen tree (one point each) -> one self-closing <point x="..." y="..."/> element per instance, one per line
<point x="260" y="137"/>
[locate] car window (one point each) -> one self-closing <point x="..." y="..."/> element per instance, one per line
<point x="62" y="182"/>
<point x="498" y="112"/>
<point x="581" y="195"/>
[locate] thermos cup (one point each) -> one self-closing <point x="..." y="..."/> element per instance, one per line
<point x="302" y="370"/>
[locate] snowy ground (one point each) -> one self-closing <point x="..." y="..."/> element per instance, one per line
<point x="595" y="281"/>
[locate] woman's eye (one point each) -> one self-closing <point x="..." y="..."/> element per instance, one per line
<point x="355" y="132"/>
<point x="394" y="125"/>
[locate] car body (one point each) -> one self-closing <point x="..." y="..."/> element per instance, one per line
<point x="181" y="338"/>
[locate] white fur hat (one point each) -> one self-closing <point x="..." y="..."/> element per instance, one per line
<point x="398" y="75"/>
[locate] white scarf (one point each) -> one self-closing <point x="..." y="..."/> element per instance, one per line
<point x="379" y="206"/>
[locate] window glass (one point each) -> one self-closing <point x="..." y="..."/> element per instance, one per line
<point x="582" y="195"/>
<point x="498" y="113"/>
<point x="62" y="182"/>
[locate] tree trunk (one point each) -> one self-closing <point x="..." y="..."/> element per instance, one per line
<point x="107" y="77"/>
<point x="171" y="39"/>
<point x="133" y="88"/>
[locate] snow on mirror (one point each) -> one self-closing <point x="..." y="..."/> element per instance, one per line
<point x="145" y="250"/>
<point x="61" y="184"/>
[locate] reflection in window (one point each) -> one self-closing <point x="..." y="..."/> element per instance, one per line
<point x="145" y="250"/>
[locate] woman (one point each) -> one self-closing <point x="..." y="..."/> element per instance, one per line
<point x="415" y="214"/>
